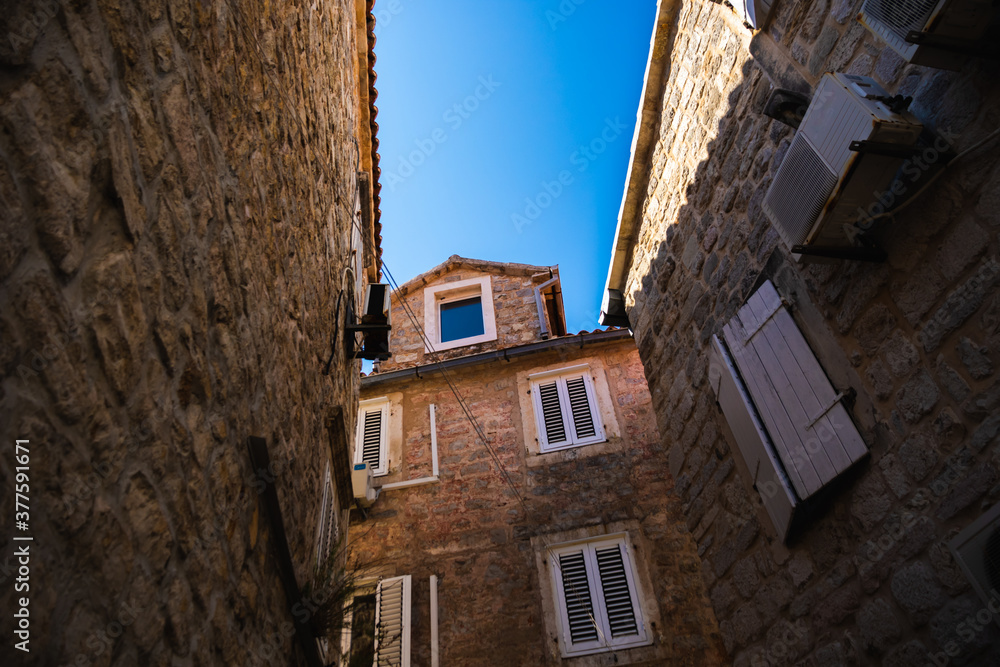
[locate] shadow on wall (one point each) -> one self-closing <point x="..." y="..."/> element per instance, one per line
<point x="707" y="242"/>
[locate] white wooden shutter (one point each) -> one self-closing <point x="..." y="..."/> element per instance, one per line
<point x="812" y="432"/>
<point x="597" y="593"/>
<point x="553" y="428"/>
<point x="327" y="521"/>
<point x="372" y="440"/>
<point x="392" y="622"/>
<point x="566" y="411"/>
<point x="616" y="591"/>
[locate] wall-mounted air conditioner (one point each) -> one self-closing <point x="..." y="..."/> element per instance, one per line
<point x="846" y="153"/>
<point x="375" y="325"/>
<point x="365" y="492"/>
<point x="977" y="550"/>
<point x="936" y="33"/>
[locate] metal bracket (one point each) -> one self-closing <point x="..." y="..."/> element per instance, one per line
<point x="980" y="48"/>
<point x="869" y="254"/>
<point x="835" y="401"/>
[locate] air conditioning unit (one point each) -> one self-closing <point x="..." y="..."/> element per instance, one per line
<point x="754" y="12"/>
<point x="936" y="33"/>
<point x="977" y="550"/>
<point x="377" y="304"/>
<point x="374" y="325"/>
<point x="845" y="155"/>
<point x="361" y="481"/>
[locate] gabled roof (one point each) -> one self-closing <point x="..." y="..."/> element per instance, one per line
<point x="486" y="266"/>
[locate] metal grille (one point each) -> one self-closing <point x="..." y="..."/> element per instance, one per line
<point x="576" y="589"/>
<point x="800" y="189"/>
<point x="371" y="442"/>
<point x="583" y="421"/>
<point x="555" y="430"/>
<point x="901" y="16"/>
<point x="617" y="597"/>
<point x="389" y="627"/>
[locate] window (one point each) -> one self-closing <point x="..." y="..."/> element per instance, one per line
<point x="377" y="624"/>
<point x="566" y="409"/>
<point x="459" y="313"/>
<point x="462" y="318"/>
<point x="372" y="445"/>
<point x="792" y="431"/>
<point x="328" y="526"/>
<point x="597" y="599"/>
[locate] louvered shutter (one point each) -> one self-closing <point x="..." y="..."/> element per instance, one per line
<point x="577" y="598"/>
<point x="566" y="411"/>
<point x="328" y="520"/>
<point x="553" y="426"/>
<point x="598" y="599"/>
<point x="619" y="603"/>
<point x="392" y="622"/>
<point x="372" y="445"/>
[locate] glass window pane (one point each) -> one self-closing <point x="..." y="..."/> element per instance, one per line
<point x="462" y="319"/>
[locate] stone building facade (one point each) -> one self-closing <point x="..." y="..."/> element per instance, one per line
<point x="911" y="341"/>
<point x="473" y="512"/>
<point x="189" y="197"/>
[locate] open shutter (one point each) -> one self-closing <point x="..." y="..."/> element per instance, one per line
<point x="392" y="622"/>
<point x="810" y="428"/>
<point x="616" y="589"/>
<point x="372" y="437"/>
<point x="553" y="427"/>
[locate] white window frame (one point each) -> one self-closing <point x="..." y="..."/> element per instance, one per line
<point x="435" y="295"/>
<point x="560" y="376"/>
<point x="605" y="641"/>
<point x="367" y="406"/>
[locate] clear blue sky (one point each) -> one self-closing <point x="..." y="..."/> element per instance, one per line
<point x="483" y="106"/>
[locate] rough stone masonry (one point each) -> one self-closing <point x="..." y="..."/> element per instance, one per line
<point x="178" y="182"/>
<point x="871" y="580"/>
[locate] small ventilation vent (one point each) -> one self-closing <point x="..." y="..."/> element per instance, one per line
<point x="799" y="191"/>
<point x="901" y="16"/>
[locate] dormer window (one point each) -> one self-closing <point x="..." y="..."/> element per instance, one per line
<point x="461" y="318"/>
<point x="459" y="313"/>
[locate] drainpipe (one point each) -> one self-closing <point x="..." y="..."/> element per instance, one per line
<point x="540" y="302"/>
<point x="434" y="621"/>
<point x="434" y="462"/>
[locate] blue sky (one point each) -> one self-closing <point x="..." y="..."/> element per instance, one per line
<point x="505" y="129"/>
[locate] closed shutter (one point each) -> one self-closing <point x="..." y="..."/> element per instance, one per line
<point x="328" y="520"/>
<point x="566" y="411"/>
<point x="372" y="445"/>
<point x="577" y="599"/>
<point x="618" y="601"/>
<point x="811" y="431"/>
<point x="392" y="622"/>
<point x="598" y="598"/>
<point x="552" y="417"/>
<point x="580" y="407"/>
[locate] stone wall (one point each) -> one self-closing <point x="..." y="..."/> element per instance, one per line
<point x="513" y="301"/>
<point x="871" y="581"/>
<point x="471" y="530"/>
<point x="172" y="239"/>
